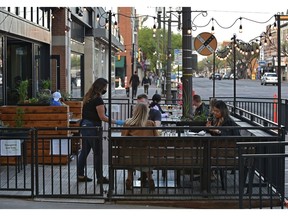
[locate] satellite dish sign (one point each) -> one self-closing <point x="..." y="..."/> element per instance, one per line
<point x="205" y="43"/>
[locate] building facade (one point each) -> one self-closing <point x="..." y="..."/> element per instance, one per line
<point x="67" y="45"/>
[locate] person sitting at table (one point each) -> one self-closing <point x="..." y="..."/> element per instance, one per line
<point x="139" y="119"/>
<point x="222" y="118"/>
<point x="154" y="115"/>
<point x="200" y="107"/>
<point x="55" y="101"/>
<point x="156" y="98"/>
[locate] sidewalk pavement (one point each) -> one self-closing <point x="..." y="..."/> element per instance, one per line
<point x="28" y="203"/>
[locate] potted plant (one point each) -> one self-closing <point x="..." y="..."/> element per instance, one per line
<point x="23" y="91"/>
<point x="46" y="84"/>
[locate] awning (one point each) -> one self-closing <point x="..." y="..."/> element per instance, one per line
<point x="120" y="63"/>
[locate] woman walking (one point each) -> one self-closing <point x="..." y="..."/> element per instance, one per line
<point x="93" y="113"/>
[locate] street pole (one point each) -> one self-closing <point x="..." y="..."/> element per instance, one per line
<point x="132" y="64"/>
<point x="109" y="71"/>
<point x="187" y="86"/>
<point x="234" y="73"/>
<point x="214" y="74"/>
<point x="168" y="74"/>
<point x="279" y="73"/>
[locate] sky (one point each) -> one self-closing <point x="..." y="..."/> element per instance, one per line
<point x="224" y="12"/>
<point x="255" y="17"/>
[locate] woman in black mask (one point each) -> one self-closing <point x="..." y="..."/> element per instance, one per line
<point x="93" y="113"/>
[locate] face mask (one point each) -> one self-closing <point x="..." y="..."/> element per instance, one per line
<point x="103" y="92"/>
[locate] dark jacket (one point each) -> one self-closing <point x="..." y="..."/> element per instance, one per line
<point x="134" y="80"/>
<point x="228" y="131"/>
<point x="146" y="81"/>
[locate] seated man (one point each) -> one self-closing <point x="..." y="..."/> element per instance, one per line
<point x="55" y="101"/>
<point x="201" y="109"/>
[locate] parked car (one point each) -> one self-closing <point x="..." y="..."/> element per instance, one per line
<point x="232" y="76"/>
<point x="216" y="77"/>
<point x="225" y="76"/>
<point x="269" y="78"/>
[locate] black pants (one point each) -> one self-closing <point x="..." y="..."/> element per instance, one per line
<point x="146" y="87"/>
<point x="134" y="91"/>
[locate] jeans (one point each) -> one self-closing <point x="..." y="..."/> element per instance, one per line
<point x="94" y="143"/>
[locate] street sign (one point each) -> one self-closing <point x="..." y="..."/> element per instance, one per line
<point x="178" y="57"/>
<point x="205" y="43"/>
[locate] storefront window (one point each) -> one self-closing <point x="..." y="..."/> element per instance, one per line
<point x="1" y="70"/>
<point x="76" y="75"/>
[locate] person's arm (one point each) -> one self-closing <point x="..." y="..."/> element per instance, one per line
<point x="101" y="113"/>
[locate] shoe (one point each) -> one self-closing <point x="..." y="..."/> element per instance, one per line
<point x="128" y="184"/>
<point x="151" y="185"/>
<point x="103" y="180"/>
<point x="84" y="179"/>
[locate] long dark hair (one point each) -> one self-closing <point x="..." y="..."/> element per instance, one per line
<point x="221" y="105"/>
<point x="95" y="90"/>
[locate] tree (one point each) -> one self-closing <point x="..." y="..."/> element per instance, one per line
<point x="153" y="49"/>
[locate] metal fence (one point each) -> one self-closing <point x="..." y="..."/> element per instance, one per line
<point x="268" y="189"/>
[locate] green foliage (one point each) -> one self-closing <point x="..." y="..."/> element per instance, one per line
<point x="43" y="98"/>
<point x="46" y="84"/>
<point x="202" y="117"/>
<point x="19" y="122"/>
<point x="23" y="91"/>
<point x="65" y="95"/>
<point x="156" y="48"/>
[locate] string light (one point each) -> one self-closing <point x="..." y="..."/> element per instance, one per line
<point x="240" y="27"/>
<point x="212" y="28"/>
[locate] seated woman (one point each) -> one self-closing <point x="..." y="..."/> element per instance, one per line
<point x="155" y="105"/>
<point x="222" y="118"/>
<point x="139" y="119"/>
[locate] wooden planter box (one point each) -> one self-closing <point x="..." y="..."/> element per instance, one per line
<point x="40" y="117"/>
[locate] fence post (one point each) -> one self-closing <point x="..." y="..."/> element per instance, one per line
<point x="275" y="119"/>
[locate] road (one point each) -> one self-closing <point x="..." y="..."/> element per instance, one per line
<point x="244" y="88"/>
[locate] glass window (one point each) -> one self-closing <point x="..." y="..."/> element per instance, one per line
<point x="1" y="70"/>
<point x="76" y="75"/>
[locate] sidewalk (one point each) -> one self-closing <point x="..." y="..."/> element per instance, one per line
<point x="26" y="203"/>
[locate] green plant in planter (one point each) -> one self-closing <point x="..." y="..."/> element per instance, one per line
<point x="23" y="91"/>
<point x="46" y="84"/>
<point x="19" y="122"/>
<point x="202" y="117"/>
<point x="65" y="95"/>
<point x="43" y="98"/>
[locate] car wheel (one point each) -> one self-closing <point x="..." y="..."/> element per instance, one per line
<point x="261" y="83"/>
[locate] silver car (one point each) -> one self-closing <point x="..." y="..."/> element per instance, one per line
<point x="269" y="78"/>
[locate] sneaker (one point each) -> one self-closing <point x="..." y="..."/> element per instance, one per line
<point x="84" y="179"/>
<point x="103" y="180"/>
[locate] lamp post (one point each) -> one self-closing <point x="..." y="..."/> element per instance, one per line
<point x="109" y="70"/>
<point x="234" y="73"/>
<point x="279" y="18"/>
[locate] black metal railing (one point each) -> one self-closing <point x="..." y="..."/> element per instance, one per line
<point x="266" y="186"/>
<point x="16" y="172"/>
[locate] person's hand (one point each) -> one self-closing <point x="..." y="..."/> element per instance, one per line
<point x="119" y="122"/>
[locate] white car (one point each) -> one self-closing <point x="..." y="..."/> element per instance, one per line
<point x="269" y="78"/>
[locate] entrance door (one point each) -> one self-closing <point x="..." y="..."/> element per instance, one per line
<point x="19" y="67"/>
